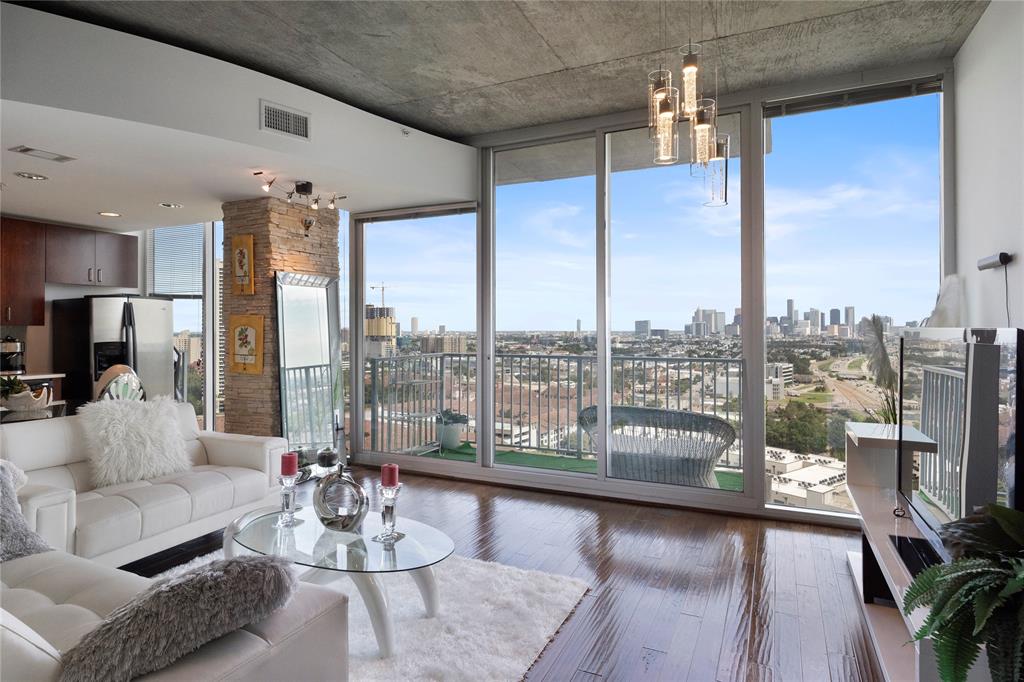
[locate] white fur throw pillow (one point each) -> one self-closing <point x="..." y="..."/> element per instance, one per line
<point x="132" y="440"/>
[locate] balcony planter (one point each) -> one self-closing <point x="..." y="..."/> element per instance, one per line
<point x="451" y="429"/>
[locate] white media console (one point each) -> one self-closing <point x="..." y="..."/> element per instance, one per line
<point x="880" y="576"/>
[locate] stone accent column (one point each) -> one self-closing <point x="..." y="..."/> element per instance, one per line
<point x="252" y="403"/>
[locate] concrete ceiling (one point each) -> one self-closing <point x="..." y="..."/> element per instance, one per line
<point x="459" y="69"/>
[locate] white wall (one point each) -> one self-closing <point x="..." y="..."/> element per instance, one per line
<point x="989" y="73"/>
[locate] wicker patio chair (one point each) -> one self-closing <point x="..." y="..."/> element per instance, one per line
<point x="663" y="446"/>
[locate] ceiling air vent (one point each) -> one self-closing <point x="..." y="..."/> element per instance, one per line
<point x="285" y="120"/>
<point x="41" y="154"/>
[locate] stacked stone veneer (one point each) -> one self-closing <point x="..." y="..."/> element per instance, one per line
<point x="252" y="403"/>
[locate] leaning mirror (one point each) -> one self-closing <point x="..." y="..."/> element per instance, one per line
<point x="309" y="334"/>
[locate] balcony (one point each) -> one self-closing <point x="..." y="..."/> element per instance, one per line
<point x="538" y="399"/>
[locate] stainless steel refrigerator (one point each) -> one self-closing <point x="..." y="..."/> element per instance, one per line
<point x="93" y="333"/>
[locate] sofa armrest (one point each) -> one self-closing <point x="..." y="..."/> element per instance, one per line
<point x="50" y="511"/>
<point x="262" y="453"/>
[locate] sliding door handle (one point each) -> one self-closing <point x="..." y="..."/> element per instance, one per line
<point x="99" y="275"/>
<point x="89" y="274"/>
<point x="8" y="313"/>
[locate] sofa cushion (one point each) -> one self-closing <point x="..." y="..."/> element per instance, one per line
<point x="62" y="596"/>
<point x="177" y="615"/>
<point x="115" y="516"/>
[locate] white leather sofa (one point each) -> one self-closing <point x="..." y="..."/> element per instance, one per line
<point x="117" y="524"/>
<point x="51" y="600"/>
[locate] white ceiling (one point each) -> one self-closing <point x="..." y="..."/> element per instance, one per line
<point x="130" y="167"/>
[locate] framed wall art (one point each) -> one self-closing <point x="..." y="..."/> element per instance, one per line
<point x="245" y="344"/>
<point x="241" y="265"/>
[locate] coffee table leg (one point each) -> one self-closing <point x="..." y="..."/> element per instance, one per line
<point x="424" y="578"/>
<point x="372" y="591"/>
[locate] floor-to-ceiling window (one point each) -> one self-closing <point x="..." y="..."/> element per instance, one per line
<point x="175" y="269"/>
<point x="674" y="310"/>
<point x="852" y="237"/>
<point x="545" y="306"/>
<point x="419" y="334"/>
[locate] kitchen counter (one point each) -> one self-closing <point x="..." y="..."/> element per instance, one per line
<point x="39" y="377"/>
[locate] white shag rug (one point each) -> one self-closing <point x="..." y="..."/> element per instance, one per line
<point x="494" y="621"/>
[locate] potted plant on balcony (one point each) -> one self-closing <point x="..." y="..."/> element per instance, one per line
<point x="978" y="598"/>
<point x="451" y="429"/>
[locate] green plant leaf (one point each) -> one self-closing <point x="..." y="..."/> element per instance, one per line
<point x="922" y="590"/>
<point x="985" y="602"/>
<point x="957" y="648"/>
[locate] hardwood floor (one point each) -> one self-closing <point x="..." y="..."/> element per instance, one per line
<point x="675" y="594"/>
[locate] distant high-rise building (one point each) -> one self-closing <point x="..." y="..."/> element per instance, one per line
<point x="659" y="333"/>
<point x="699" y="329"/>
<point x="833" y="316"/>
<point x="579" y="328"/>
<point x="398" y="329"/>
<point x="380" y="330"/>
<point x="719" y="322"/>
<point x="790" y="310"/>
<point x="642" y="328"/>
<point x="415" y="326"/>
<point x="850" y="318"/>
<point x="737" y="317"/>
<point x="452" y="343"/>
<point x="814" y="317"/>
<point x="441" y="329"/>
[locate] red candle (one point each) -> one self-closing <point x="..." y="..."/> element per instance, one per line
<point x="389" y="475"/>
<point x="290" y="464"/>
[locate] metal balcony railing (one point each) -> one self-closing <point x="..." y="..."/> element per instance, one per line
<point x="308" y="406"/>
<point x="942" y="408"/>
<point x="538" y="398"/>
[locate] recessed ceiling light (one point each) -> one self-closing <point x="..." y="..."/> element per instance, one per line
<point x="109" y="214"/>
<point x="170" y="204"/>
<point x="30" y="176"/>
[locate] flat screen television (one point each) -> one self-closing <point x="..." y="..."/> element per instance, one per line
<point x="961" y="388"/>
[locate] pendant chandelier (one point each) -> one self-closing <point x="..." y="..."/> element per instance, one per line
<point x="667" y="107"/>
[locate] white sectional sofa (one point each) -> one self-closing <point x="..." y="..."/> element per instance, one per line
<point x="232" y="474"/>
<point x="51" y="600"/>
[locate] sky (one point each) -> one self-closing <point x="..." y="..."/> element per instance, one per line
<point x="851" y="218"/>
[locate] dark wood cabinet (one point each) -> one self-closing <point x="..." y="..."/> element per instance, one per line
<point x="117" y="260"/>
<point x="79" y="256"/>
<point x="22" y="272"/>
<point x="70" y="255"/>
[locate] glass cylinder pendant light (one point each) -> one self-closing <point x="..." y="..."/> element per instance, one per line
<point x="691" y="68"/>
<point x="658" y="83"/>
<point x="716" y="177"/>
<point x="702" y="127"/>
<point x="666" y="138"/>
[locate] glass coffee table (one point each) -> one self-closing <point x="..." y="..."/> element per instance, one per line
<point x="330" y="555"/>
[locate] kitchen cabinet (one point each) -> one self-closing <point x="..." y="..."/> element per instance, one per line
<point x="91" y="258"/>
<point x="22" y="272"/>
<point x="117" y="260"/>
<point x="70" y="255"/>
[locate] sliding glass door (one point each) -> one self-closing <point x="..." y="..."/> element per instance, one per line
<point x="545" y="306"/>
<point x="419" y="334"/>
<point x="677" y="367"/>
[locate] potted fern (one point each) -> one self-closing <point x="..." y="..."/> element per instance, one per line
<point x="978" y="598"/>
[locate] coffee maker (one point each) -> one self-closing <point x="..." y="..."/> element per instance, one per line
<point x="12" y="357"/>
